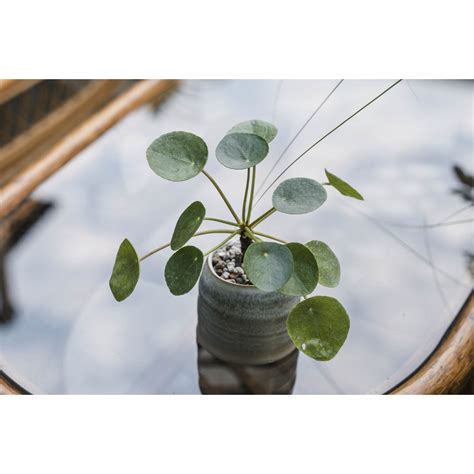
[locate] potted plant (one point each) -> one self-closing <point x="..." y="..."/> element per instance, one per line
<point x="254" y="294"/>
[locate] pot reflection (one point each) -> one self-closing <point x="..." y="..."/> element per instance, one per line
<point x="217" y="377"/>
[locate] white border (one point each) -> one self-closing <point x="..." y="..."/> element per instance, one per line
<point x="244" y="39"/>
<point x="330" y="434"/>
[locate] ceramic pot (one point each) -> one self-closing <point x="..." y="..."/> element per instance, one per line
<point x="240" y="323"/>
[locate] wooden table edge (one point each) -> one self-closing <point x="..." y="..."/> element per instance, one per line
<point x="450" y="364"/>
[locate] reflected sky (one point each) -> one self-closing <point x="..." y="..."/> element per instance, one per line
<point x="401" y="284"/>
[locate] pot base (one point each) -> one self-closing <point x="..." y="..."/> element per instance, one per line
<point x="239" y="352"/>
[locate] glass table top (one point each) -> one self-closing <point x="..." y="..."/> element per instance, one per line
<point x="406" y="252"/>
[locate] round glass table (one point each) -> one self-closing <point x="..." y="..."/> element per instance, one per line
<point x="406" y="251"/>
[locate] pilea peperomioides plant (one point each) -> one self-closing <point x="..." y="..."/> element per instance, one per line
<point x="318" y="325"/>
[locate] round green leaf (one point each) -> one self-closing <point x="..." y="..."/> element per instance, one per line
<point x="240" y="151"/>
<point x="298" y="196"/>
<point x="318" y="326"/>
<point x="344" y="188"/>
<point x="305" y="274"/>
<point x="268" y="265"/>
<point x="177" y="156"/>
<point x="188" y="223"/>
<point x="263" y="129"/>
<point x="183" y="269"/>
<point x="328" y="264"/>
<point x="126" y="271"/>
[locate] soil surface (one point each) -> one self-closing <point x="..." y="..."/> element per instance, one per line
<point x="227" y="263"/>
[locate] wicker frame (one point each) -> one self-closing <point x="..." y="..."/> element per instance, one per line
<point x="451" y="365"/>
<point x="16" y="189"/>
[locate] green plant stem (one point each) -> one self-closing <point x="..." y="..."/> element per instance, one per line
<point x="244" y="204"/>
<point x="261" y="234"/>
<point x="251" y="234"/>
<point x="298" y="133"/>
<point x="204" y="232"/>
<point x="222" y="243"/>
<point x="325" y="136"/>
<point x="252" y="193"/>
<point x="149" y="254"/>
<point x="223" y="196"/>
<point x="262" y="217"/>
<point x="222" y="221"/>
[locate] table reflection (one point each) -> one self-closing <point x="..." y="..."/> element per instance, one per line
<point x="217" y="377"/>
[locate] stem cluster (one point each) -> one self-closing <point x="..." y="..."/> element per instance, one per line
<point x="242" y="225"/>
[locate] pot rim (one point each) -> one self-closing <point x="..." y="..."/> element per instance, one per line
<point x="215" y="275"/>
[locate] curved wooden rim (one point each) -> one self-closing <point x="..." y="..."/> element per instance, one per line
<point x="28" y="180"/>
<point x="10" y="88"/>
<point x="451" y="363"/>
<point x="9" y="387"/>
<point x="57" y="123"/>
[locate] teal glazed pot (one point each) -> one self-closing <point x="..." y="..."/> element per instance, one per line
<point x="240" y="323"/>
